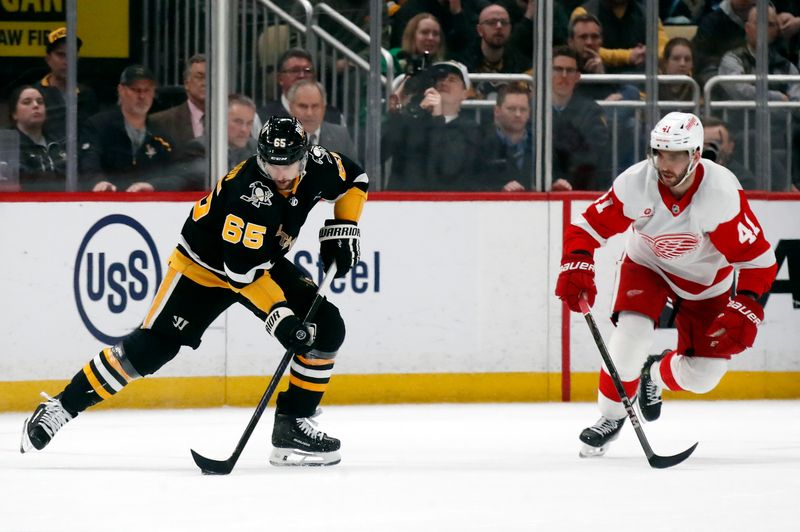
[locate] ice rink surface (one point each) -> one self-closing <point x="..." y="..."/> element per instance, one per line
<point x="411" y="468"/>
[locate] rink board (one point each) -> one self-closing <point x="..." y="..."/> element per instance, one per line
<point x="452" y="302"/>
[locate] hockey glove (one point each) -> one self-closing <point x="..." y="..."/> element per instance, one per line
<point x="576" y="277"/>
<point x="734" y="330"/>
<point x="290" y="330"/>
<point x="339" y="241"/>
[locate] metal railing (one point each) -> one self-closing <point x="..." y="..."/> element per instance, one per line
<point x="763" y="141"/>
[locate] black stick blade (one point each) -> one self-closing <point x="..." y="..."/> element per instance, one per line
<point x="663" y="462"/>
<point x="212" y="467"/>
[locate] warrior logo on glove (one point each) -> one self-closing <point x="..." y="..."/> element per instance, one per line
<point x="340" y="242"/>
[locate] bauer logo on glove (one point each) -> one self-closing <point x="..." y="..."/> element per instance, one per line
<point x="340" y="242"/>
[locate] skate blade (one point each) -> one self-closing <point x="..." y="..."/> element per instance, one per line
<point x="587" y="451"/>
<point x="25" y="443"/>
<point x="282" y="457"/>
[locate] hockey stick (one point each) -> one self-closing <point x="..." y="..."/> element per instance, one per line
<point x="223" y="467"/>
<point x="656" y="461"/>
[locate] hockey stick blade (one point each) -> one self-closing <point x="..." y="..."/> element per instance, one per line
<point x="663" y="462"/>
<point x="656" y="461"/>
<point x="212" y="467"/>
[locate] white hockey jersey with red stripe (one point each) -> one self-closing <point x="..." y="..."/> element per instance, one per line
<point x="693" y="243"/>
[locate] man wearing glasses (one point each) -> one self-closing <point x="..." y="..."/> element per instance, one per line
<point x="580" y="134"/>
<point x="294" y="65"/>
<point x="490" y="53"/>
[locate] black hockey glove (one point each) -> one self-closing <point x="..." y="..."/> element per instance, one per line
<point x="289" y="330"/>
<point x="340" y="241"/>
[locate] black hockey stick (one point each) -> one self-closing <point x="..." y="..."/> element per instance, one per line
<point x="659" y="462"/>
<point x="223" y="467"/>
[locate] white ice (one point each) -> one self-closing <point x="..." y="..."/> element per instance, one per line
<point x="411" y="468"/>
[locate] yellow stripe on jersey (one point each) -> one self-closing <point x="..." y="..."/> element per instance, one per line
<point x="163" y="291"/>
<point x="189" y="268"/>
<point x="264" y="292"/>
<point x="310" y="386"/>
<point x="93" y="380"/>
<point x="350" y="205"/>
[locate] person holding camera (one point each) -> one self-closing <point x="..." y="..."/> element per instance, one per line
<point x="431" y="145"/>
<point x="719" y="146"/>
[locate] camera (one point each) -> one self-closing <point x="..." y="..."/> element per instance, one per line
<point x="711" y="151"/>
<point x="419" y="78"/>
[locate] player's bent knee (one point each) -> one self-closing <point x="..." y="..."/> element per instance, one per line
<point x="330" y="331"/>
<point x="700" y="374"/>
<point x="147" y="350"/>
<point x="630" y="343"/>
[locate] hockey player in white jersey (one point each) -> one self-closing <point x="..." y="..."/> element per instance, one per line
<point x="692" y="228"/>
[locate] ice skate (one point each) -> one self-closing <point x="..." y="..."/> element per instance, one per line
<point x="649" y="391"/>
<point x="41" y="427"/>
<point x="298" y="442"/>
<point x="598" y="437"/>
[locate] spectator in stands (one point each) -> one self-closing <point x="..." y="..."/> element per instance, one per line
<point x="678" y="59"/>
<point x="42" y="161"/>
<point x="118" y="148"/>
<point x="580" y="134"/>
<point x="307" y="103"/>
<point x="506" y="149"/>
<point x="53" y="87"/>
<point x="431" y="145"/>
<point x="186" y="121"/>
<point x="490" y="52"/>
<point x="191" y="171"/>
<point x="295" y="64"/>
<point x="522" y="13"/>
<point x="586" y="38"/>
<point x="719" y="147"/>
<point x="457" y="17"/>
<point x="718" y="32"/>
<point x="789" y="22"/>
<point x="742" y="60"/>
<point x="625" y="33"/>
<point x="422" y="34"/>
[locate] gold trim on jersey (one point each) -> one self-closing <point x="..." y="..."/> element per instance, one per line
<point x="167" y="285"/>
<point x="350" y="205"/>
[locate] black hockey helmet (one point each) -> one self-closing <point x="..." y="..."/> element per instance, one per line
<point x="281" y="141"/>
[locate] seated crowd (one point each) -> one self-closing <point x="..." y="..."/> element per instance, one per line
<point x="430" y="142"/>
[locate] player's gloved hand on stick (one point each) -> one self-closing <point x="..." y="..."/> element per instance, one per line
<point x="735" y="329"/>
<point x="289" y="330"/>
<point x="576" y="277"/>
<point x="339" y="240"/>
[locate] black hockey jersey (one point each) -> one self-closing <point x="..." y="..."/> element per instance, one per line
<point x="245" y="224"/>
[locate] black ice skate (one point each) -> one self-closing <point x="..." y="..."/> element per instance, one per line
<point x="649" y="392"/>
<point x="597" y="438"/>
<point x="47" y="419"/>
<point x="298" y="442"/>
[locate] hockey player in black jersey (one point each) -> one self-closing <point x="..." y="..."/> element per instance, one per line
<point x="232" y="250"/>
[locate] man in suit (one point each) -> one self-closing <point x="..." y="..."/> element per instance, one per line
<point x="185" y="121"/>
<point x="294" y="65"/>
<point x="191" y="171"/>
<point x="307" y="103"/>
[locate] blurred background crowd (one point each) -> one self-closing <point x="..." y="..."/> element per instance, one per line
<point x="457" y="110"/>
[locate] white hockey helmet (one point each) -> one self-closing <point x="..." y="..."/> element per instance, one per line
<point x="677" y="132"/>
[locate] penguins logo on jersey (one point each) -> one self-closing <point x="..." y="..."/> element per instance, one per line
<point x="259" y="195"/>
<point x="318" y="154"/>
